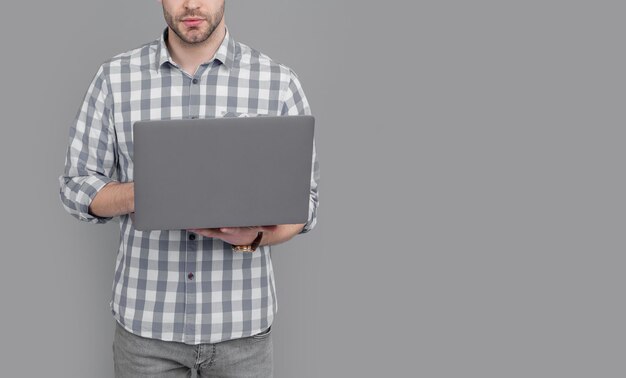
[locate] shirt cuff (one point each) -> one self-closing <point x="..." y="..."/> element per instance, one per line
<point x="88" y="190"/>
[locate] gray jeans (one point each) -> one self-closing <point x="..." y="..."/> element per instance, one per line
<point x="136" y="356"/>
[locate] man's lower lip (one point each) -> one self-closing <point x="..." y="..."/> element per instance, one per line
<point x="189" y="23"/>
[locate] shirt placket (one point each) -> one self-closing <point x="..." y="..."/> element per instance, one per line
<point x="193" y="86"/>
<point x="190" y="287"/>
<point x="192" y="91"/>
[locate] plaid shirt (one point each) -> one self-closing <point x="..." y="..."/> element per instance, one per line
<point x="170" y="284"/>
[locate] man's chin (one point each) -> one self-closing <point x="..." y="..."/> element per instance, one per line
<point x="198" y="37"/>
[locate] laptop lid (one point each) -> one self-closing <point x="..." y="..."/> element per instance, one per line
<point x="222" y="172"/>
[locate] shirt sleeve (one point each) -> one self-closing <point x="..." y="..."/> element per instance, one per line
<point x="295" y="103"/>
<point x="91" y="154"/>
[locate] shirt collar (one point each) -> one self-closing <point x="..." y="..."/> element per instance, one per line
<point x="225" y="52"/>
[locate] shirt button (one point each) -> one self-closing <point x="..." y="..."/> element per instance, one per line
<point x="195" y="81"/>
<point x="192" y="237"/>
<point x="190" y="276"/>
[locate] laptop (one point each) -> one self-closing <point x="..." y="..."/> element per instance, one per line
<point x="222" y="172"/>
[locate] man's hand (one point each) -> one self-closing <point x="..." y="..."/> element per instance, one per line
<point x="245" y="235"/>
<point x="234" y="235"/>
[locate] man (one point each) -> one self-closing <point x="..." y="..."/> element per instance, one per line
<point x="184" y="300"/>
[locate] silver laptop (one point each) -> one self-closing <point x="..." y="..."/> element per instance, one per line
<point x="222" y="172"/>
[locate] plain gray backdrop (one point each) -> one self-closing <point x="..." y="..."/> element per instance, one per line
<point x="472" y="212"/>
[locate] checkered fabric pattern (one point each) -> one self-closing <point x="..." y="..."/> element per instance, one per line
<point x="168" y="284"/>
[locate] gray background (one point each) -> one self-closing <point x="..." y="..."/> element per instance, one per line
<point x="471" y="219"/>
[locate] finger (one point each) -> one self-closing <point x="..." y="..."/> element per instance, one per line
<point x="268" y="228"/>
<point x="229" y="230"/>
<point x="207" y="232"/>
<point x="237" y="230"/>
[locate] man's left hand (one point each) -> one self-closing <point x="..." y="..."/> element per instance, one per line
<point x="234" y="235"/>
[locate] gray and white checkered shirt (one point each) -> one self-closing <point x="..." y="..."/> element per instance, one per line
<point x="167" y="284"/>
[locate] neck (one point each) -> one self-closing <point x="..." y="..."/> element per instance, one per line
<point x="191" y="56"/>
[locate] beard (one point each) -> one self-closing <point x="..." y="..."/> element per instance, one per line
<point x="197" y="34"/>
